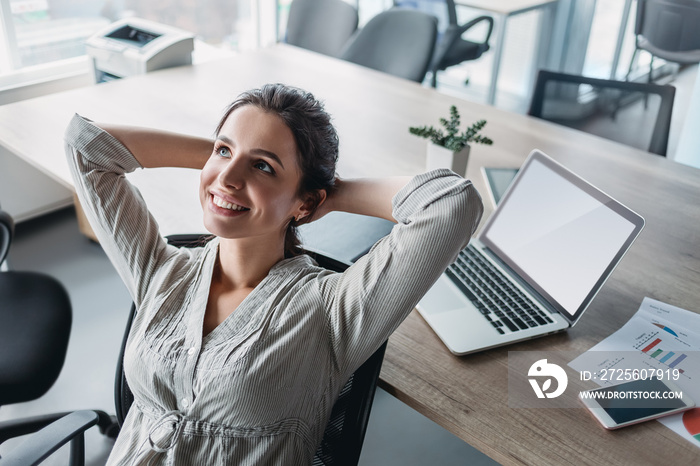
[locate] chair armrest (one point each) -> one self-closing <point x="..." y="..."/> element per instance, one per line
<point x="42" y="444"/>
<point x="454" y="33"/>
<point x="466" y="26"/>
<point x="18" y="427"/>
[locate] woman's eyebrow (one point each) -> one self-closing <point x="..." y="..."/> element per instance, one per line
<point x="267" y="153"/>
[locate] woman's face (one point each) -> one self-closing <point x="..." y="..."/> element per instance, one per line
<point x="250" y="183"/>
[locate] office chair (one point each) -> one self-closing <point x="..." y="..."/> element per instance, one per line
<point x="397" y="41"/>
<point x="610" y="109"/>
<point x="343" y="436"/>
<point x="451" y="48"/>
<point x="668" y="29"/>
<point x="35" y="323"/>
<point x="323" y="26"/>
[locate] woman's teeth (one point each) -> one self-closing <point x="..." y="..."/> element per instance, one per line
<point x="228" y="205"/>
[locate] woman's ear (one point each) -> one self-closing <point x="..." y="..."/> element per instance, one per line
<point x="312" y="202"/>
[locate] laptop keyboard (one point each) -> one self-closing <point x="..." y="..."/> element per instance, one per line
<point x="501" y="303"/>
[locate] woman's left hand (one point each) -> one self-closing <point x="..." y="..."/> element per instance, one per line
<point x="327" y="205"/>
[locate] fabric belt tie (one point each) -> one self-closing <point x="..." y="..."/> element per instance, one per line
<point x="178" y="425"/>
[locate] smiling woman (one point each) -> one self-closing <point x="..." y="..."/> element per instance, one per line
<point x="240" y="347"/>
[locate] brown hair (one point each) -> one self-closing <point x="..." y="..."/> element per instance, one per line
<point x="315" y="136"/>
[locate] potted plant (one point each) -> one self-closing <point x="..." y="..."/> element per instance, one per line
<point x="448" y="148"/>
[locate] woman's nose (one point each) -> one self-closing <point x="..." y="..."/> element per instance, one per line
<point x="232" y="174"/>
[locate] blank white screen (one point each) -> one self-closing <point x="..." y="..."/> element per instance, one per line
<point x="559" y="236"/>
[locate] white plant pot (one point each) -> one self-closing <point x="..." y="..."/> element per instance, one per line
<point x="441" y="157"/>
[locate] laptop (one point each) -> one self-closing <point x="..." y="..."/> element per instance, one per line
<point x="537" y="264"/>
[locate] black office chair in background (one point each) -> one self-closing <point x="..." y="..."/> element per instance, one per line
<point x="602" y="107"/>
<point x="397" y="41"/>
<point x="35" y="325"/>
<point x="342" y="440"/>
<point x="451" y="48"/>
<point x="323" y="26"/>
<point x="668" y="29"/>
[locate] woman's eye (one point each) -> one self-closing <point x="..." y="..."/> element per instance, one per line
<point x="264" y="166"/>
<point x="223" y="151"/>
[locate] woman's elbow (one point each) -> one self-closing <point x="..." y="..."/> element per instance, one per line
<point x="468" y="213"/>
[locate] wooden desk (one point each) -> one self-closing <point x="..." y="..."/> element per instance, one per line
<point x="466" y="395"/>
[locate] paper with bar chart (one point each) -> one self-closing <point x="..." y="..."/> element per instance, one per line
<point x="656" y="338"/>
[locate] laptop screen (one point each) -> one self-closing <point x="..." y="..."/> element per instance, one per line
<point x="560" y="234"/>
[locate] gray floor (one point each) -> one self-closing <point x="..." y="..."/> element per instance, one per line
<point x="397" y="435"/>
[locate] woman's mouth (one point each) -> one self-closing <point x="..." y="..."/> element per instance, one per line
<point x="219" y="202"/>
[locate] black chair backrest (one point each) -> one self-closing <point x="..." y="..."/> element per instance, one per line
<point x="35" y="323"/>
<point x="345" y="431"/>
<point x="323" y="26"/>
<point x="7" y="229"/>
<point x="397" y="41"/>
<point x="602" y="107"/>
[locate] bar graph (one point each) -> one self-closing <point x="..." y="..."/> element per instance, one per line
<point x="677" y="360"/>
<point x="651" y="345"/>
<point x="657" y="346"/>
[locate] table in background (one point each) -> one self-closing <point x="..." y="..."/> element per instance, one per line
<point x="372" y="111"/>
<point x="505" y="9"/>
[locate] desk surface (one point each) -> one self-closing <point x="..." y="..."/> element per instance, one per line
<point x="505" y="7"/>
<point x="466" y="395"/>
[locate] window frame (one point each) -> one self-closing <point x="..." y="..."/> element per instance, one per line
<point x="9" y="61"/>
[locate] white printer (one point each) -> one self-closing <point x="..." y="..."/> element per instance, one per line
<point x="136" y="46"/>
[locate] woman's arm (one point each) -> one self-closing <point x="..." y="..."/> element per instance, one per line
<point x="154" y="148"/>
<point x="364" y="196"/>
<point x="436" y="214"/>
<point x="115" y="209"/>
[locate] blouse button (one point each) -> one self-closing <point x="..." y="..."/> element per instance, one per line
<point x="191" y="351"/>
<point x="185" y="402"/>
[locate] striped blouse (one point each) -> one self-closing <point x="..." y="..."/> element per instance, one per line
<point x="259" y="388"/>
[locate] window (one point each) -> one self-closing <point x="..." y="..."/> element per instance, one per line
<point x="43" y="31"/>
<point x="40" y="32"/>
<point x="611" y="40"/>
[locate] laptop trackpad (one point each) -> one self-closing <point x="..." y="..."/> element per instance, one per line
<point x="442" y="297"/>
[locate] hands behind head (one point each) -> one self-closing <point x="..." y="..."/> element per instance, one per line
<point x="328" y="204"/>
